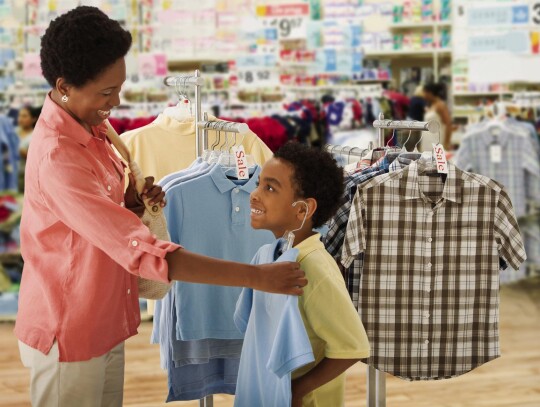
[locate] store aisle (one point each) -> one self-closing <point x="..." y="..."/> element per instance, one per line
<point x="510" y="381"/>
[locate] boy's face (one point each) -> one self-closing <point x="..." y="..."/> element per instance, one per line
<point x="271" y="202"/>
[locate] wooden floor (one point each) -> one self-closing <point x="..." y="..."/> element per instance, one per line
<point x="510" y="381"/>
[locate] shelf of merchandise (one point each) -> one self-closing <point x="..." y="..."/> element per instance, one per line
<point x="483" y="94"/>
<point x="412" y="25"/>
<point x="411" y="53"/>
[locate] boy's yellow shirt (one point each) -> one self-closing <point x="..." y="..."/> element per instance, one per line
<point x="332" y="323"/>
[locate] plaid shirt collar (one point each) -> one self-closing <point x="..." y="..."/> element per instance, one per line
<point x="410" y="188"/>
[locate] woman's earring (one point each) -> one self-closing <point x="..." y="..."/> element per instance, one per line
<point x="65" y="98"/>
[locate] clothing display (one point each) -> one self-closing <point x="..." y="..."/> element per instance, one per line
<point x="208" y="209"/>
<point x="210" y="215"/>
<point x="509" y="152"/>
<point x="167" y="145"/>
<point x="432" y="248"/>
<point x="426" y="266"/>
<point x="276" y="342"/>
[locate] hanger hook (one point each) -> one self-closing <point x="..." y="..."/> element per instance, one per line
<point x="218" y="135"/>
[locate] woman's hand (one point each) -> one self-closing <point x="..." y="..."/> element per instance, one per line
<point x="135" y="203"/>
<point x="281" y="278"/>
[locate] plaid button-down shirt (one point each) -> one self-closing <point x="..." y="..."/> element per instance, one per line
<point x="429" y="289"/>
<point x="334" y="238"/>
<point x="518" y="169"/>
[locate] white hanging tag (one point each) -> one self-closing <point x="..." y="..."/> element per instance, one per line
<point x="440" y="158"/>
<point x="242" y="171"/>
<point x="495" y="153"/>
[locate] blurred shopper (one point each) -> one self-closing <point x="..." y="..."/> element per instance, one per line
<point x="437" y="110"/>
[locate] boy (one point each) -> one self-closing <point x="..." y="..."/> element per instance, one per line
<point x="301" y="187"/>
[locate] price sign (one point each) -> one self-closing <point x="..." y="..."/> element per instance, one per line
<point x="257" y="78"/>
<point x="288" y="28"/>
<point x="290" y="20"/>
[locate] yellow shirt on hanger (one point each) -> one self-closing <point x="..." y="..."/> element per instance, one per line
<point x="332" y="323"/>
<point x="167" y="145"/>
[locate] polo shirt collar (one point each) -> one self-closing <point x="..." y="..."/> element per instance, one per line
<point x="410" y="189"/>
<point x="223" y="184"/>
<point x="61" y="121"/>
<point x="308" y="246"/>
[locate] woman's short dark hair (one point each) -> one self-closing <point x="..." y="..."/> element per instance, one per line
<point x="80" y="44"/>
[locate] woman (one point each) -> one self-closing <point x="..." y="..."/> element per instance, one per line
<point x="26" y="122"/>
<point x="81" y="239"/>
<point x="437" y="110"/>
<point x="27" y="119"/>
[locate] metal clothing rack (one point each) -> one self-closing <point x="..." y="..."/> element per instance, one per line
<point x="376" y="380"/>
<point x="202" y="125"/>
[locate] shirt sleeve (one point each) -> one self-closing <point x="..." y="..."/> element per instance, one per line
<point x="78" y="198"/>
<point x="355" y="240"/>
<point x="507" y="234"/>
<point x="291" y="348"/>
<point x="173" y="212"/>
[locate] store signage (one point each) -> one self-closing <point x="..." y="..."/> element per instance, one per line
<point x="511" y="14"/>
<point x="290" y="20"/>
<point x="152" y="65"/>
<point x="261" y="61"/>
<point x="284" y="10"/>
<point x="257" y="78"/>
<point x="517" y="42"/>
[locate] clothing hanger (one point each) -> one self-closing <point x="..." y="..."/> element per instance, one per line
<point x="289" y="236"/>
<point x="413" y="155"/>
<point x="182" y="111"/>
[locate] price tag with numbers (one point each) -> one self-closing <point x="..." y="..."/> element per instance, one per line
<point x="288" y="28"/>
<point x="258" y="78"/>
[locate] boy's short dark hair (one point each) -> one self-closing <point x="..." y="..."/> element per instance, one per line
<point x="80" y="44"/>
<point x="316" y="175"/>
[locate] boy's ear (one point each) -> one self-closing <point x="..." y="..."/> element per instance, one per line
<point x="311" y="208"/>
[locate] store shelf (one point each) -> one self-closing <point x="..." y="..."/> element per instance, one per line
<point x="420" y="25"/>
<point x="420" y="53"/>
<point x="482" y="94"/>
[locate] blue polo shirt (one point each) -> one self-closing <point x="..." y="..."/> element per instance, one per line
<point x="275" y="342"/>
<point x="210" y="215"/>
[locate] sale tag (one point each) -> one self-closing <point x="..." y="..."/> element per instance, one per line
<point x="242" y="171"/>
<point x="440" y="158"/>
<point x="495" y="153"/>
